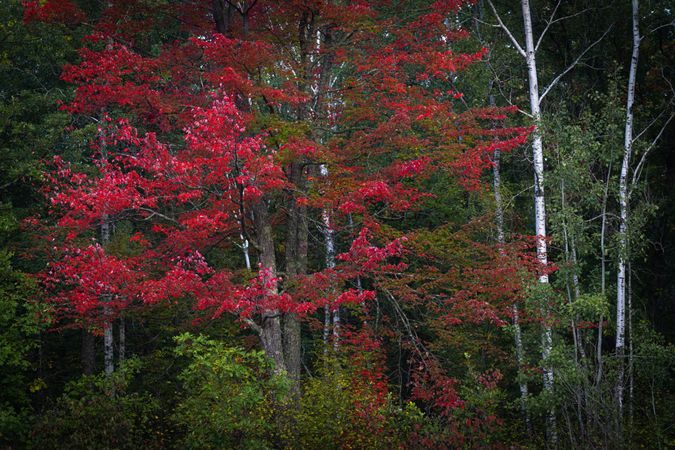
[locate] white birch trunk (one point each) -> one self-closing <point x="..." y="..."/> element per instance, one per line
<point x="329" y="243"/>
<point x="517" y="334"/>
<point x="603" y="273"/>
<point x="499" y="209"/>
<point x="631" y="384"/>
<point x="326" y="324"/>
<point x="539" y="208"/>
<point x="244" y="247"/>
<point x="108" y="351"/>
<point x="571" y="258"/>
<point x="109" y="364"/>
<point x="501" y="239"/>
<point x="623" y="205"/>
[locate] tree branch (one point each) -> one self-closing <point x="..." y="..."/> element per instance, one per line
<point x="665" y="25"/>
<point x="156" y="213"/>
<point x="506" y="30"/>
<point x="559" y="19"/>
<point x="638" y="169"/>
<point x="572" y="65"/>
<point x="656" y="119"/>
<point x="253" y="325"/>
<point x="549" y="22"/>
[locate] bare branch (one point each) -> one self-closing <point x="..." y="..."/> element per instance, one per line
<point x="506" y="98"/>
<point x="482" y="22"/>
<point x="236" y="6"/>
<point x="572" y="65"/>
<point x="656" y="119"/>
<point x="638" y="169"/>
<point x="157" y="213"/>
<point x="253" y="325"/>
<point x="665" y="25"/>
<point x="559" y="19"/>
<point x="506" y="30"/>
<point x="670" y="85"/>
<point x="422" y="351"/>
<point x="549" y="22"/>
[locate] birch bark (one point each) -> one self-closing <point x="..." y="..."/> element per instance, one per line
<point x="517" y="334"/>
<point x="104" y="236"/>
<point x="244" y="248"/>
<point x="501" y="240"/>
<point x="329" y="244"/>
<point x="539" y="207"/>
<point x="623" y="206"/>
<point x="535" y="97"/>
<point x="108" y="352"/>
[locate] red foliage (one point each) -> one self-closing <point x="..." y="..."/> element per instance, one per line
<point x="87" y="279"/>
<point x="57" y="11"/>
<point x="197" y="133"/>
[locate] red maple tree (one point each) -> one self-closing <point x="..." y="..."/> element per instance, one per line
<point x="248" y="122"/>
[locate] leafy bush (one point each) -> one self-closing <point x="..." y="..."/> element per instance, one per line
<point x="230" y="396"/>
<point x="97" y="412"/>
<point x="346" y="405"/>
<point x="19" y="330"/>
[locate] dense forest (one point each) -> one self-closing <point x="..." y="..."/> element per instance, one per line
<point x="318" y="224"/>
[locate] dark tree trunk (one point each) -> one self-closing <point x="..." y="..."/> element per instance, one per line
<point x="270" y="329"/>
<point x="296" y="264"/>
<point x="222" y="16"/>
<point x="88" y="352"/>
<point x="122" y="345"/>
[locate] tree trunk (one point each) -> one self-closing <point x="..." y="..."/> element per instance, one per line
<point x="222" y="16"/>
<point x="88" y="352"/>
<point x="122" y="336"/>
<point x="329" y="245"/>
<point x="270" y="329"/>
<point x="271" y="338"/>
<point x="108" y="351"/>
<point x="244" y="248"/>
<point x="501" y="240"/>
<point x="296" y="264"/>
<point x="623" y="205"/>
<point x="603" y="274"/>
<point x="539" y="209"/>
<point x="631" y="380"/>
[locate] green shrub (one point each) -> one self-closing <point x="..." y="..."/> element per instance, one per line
<point x="346" y="405"/>
<point x="230" y="396"/>
<point x="97" y="412"/>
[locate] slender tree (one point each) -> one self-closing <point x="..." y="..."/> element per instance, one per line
<point x="623" y="208"/>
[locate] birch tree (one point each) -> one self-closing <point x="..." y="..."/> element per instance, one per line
<point x="623" y="205"/>
<point x="528" y="53"/>
<point x="501" y="240"/>
<point x="104" y="235"/>
<point x="629" y="181"/>
<point x="108" y="352"/>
